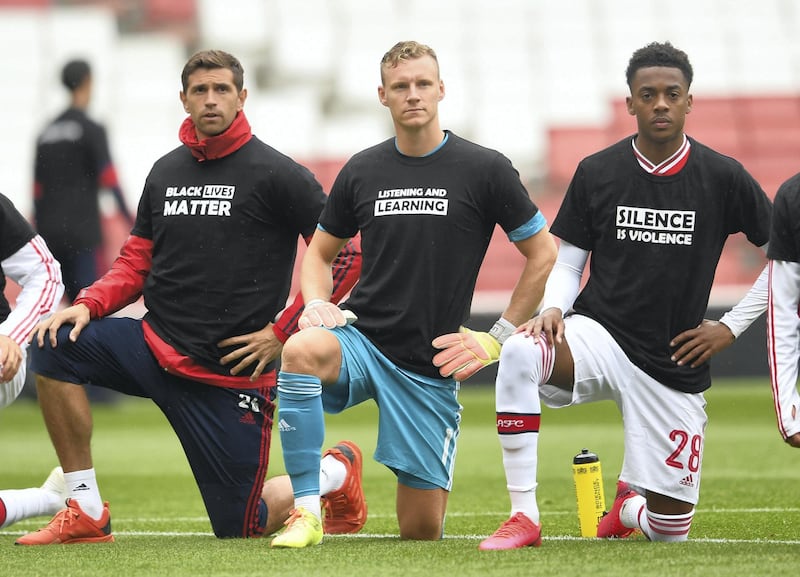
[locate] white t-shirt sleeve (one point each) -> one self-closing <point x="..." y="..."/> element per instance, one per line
<point x="747" y="310"/>
<point x="564" y="282"/>
<point x="783" y="343"/>
<point x="38" y="274"/>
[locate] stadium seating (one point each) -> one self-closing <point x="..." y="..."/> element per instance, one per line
<point x="762" y="132"/>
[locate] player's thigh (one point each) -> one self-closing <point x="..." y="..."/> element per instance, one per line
<point x="109" y="352"/>
<point x="418" y="416"/>
<point x="419" y="421"/>
<point x="418" y="425"/>
<point x="226" y="435"/>
<point x="361" y="365"/>
<point x="664" y="436"/>
<point x="599" y="364"/>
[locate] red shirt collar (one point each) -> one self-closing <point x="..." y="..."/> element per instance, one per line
<point x="668" y="167"/>
<point x="236" y="136"/>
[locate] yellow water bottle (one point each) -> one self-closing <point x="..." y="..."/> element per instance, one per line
<point x="588" y="477"/>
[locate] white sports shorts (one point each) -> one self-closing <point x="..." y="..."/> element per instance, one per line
<point x="664" y="428"/>
<point x="11" y="390"/>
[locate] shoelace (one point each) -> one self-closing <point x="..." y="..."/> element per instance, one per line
<point x="66" y="517"/>
<point x="512" y="528"/>
<point x="293" y="516"/>
<point x="299" y="518"/>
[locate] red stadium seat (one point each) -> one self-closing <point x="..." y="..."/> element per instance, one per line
<point x="567" y="146"/>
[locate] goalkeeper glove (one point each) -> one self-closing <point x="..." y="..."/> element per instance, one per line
<point x="466" y="352"/>
<point x="319" y="313"/>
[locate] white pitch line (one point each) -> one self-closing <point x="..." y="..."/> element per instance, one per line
<point x="139" y="520"/>
<point x="468" y="515"/>
<point x="700" y="511"/>
<point x="447" y="537"/>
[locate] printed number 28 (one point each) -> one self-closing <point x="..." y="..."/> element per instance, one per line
<point x="695" y="446"/>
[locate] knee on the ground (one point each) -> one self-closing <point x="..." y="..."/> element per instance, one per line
<point x="422" y="531"/>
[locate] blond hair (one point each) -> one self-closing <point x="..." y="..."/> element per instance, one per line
<point x="406" y="50"/>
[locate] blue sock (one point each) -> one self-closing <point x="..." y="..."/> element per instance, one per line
<point x="302" y="428"/>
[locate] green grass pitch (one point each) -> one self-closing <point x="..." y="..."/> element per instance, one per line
<point x="747" y="521"/>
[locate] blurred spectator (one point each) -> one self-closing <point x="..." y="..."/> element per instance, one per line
<point x="73" y="164"/>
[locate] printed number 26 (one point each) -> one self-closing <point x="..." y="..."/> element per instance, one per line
<point x="248" y="402"/>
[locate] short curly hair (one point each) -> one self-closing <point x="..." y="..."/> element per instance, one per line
<point x="659" y="54"/>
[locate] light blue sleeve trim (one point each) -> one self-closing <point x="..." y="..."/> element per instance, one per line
<point x="527" y="230"/>
<point x="322" y="228"/>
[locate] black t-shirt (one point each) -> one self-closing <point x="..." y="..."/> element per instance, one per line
<point x="71" y="154"/>
<point x="425" y="225"/>
<point x="225" y="236"/>
<point x="655" y="242"/>
<point x="784" y="239"/>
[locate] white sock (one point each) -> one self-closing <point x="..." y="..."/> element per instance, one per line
<point x="524" y="502"/>
<point x="667" y="528"/>
<point x="524" y="366"/>
<point x="632" y="511"/>
<point x="82" y="486"/>
<point x="25" y="503"/>
<point x="19" y="504"/>
<point x="310" y="503"/>
<point x="332" y="474"/>
<point x="655" y="526"/>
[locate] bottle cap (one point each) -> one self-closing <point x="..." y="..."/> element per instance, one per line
<point x="585" y="457"/>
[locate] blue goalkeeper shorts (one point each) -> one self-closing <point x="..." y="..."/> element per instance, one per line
<point x="224" y="432"/>
<point x="418" y="417"/>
